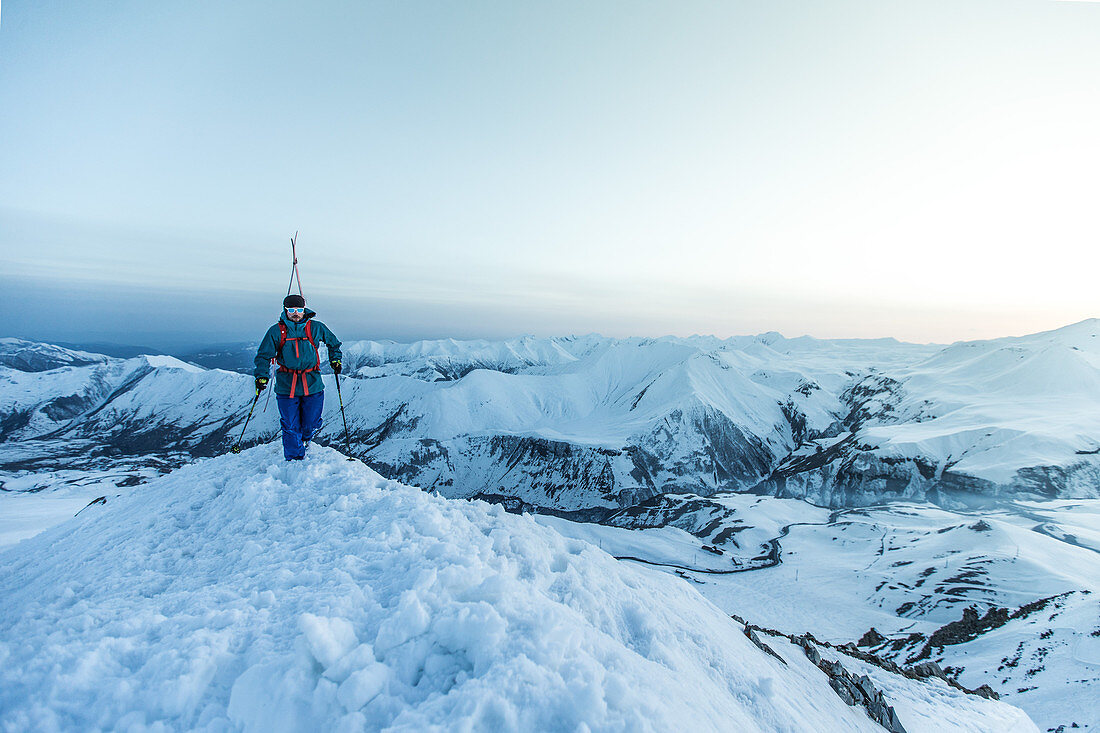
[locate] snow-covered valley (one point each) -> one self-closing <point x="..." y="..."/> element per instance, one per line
<point x="1008" y="598"/>
<point x="948" y="497"/>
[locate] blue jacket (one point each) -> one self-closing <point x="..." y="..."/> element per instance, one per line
<point x="297" y="354"/>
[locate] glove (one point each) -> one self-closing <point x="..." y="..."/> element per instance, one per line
<point x="261" y="384"/>
<point x="335" y="367"/>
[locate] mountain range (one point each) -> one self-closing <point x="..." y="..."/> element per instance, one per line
<point x="593" y="424"/>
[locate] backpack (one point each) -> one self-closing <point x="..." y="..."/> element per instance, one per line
<point x="297" y="373"/>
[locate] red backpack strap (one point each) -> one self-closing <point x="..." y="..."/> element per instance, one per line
<point x="309" y="335"/>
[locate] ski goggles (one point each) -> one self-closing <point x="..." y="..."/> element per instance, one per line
<point x="295" y="310"/>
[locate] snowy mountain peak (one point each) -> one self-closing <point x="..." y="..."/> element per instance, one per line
<point x="170" y="362"/>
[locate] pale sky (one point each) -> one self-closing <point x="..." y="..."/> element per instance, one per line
<point x="924" y="170"/>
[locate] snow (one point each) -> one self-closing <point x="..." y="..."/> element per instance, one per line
<point x="983" y="409"/>
<point x="24" y="512"/>
<point x="757" y="519"/>
<point x="1003" y="404"/>
<point x="1045" y="664"/>
<point x="905" y="568"/>
<point x="34" y="356"/>
<point x="933" y="705"/>
<point x="714" y="414"/>
<point x="171" y="362"/>
<point x="246" y="593"/>
<point x="658" y="545"/>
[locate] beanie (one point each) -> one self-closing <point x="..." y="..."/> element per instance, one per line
<point x="294" y="301"/>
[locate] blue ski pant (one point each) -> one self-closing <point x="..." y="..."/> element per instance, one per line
<point x="301" y="419"/>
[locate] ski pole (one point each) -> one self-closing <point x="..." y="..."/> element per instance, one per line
<point x="270" y="377"/>
<point x="237" y="447"/>
<point x="347" y="441"/>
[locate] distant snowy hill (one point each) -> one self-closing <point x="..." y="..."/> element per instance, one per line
<point x="596" y="424"/>
<point x="143" y="405"/>
<point x="981" y="417"/>
<point x="31" y="356"/>
<point x="245" y="593"/>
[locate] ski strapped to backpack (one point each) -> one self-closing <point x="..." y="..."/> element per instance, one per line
<point x="294" y="265"/>
<point x="298" y="373"/>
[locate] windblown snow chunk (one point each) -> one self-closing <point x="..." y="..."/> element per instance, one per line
<point x="244" y="592"/>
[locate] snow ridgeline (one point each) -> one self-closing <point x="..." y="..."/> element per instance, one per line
<point x="242" y="592"/>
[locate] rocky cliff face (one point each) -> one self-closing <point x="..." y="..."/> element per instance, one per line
<point x="700" y="450"/>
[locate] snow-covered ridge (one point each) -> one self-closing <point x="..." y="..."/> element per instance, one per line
<point x="248" y="593"/>
<point x="591" y="423"/>
<point x="31" y="356"/>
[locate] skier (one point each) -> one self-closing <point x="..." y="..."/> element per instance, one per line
<point x="293" y="342"/>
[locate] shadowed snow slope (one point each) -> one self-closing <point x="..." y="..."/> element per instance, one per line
<point x="247" y="593"/>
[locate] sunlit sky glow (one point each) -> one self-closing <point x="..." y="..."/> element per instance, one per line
<point x="923" y="170"/>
